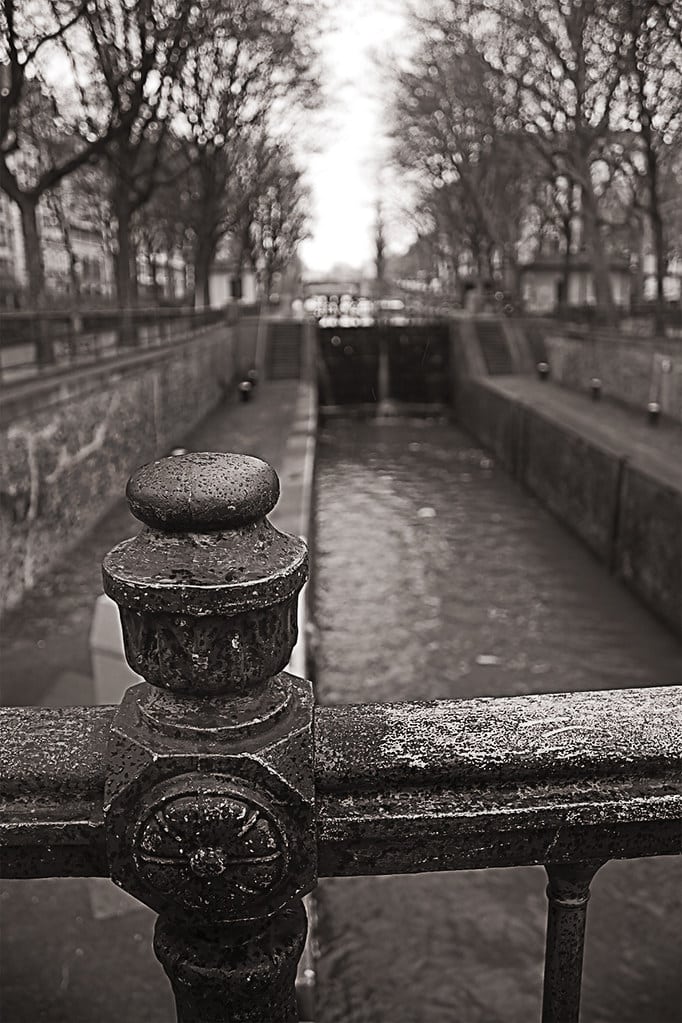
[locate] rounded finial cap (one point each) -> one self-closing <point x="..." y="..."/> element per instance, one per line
<point x="202" y="491"/>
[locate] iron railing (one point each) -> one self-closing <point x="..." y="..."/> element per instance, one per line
<point x="46" y="343"/>
<point x="217" y="793"/>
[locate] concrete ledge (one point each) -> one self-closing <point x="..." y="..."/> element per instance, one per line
<point x="605" y="486"/>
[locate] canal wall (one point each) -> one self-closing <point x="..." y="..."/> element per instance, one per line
<point x="70" y="442"/>
<point x="633" y="371"/>
<point x="627" y="512"/>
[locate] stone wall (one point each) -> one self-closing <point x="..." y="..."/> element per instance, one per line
<point x="628" y="517"/>
<point x="492" y="419"/>
<point x="69" y="443"/>
<point x="649" y="543"/>
<point x="632" y="371"/>
<point x="573" y="477"/>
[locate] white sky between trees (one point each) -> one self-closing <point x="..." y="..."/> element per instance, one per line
<point x="347" y="168"/>
<point x="344" y="174"/>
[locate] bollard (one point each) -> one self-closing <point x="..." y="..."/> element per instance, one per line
<point x="209" y="801"/>
<point x="595" y="388"/>
<point x="245" y="389"/>
<point x="543" y="370"/>
<point x="653" y="413"/>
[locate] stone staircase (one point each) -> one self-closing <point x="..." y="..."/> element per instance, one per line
<point x="284" y="350"/>
<point x="494" y="347"/>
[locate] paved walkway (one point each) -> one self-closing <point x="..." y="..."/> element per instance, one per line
<point x="655" y="449"/>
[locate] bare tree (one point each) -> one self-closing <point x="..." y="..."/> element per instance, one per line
<point x="230" y="94"/>
<point x="278" y="216"/>
<point x="561" y="67"/>
<point x="139" y="49"/>
<point x="35" y="34"/>
<point x="449" y="134"/>
<point x="654" y="80"/>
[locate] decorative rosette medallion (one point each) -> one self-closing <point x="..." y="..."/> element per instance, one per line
<point x="219" y="847"/>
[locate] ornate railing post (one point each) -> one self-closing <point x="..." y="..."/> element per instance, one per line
<point x="209" y="799"/>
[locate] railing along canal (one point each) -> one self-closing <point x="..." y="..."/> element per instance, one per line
<point x="217" y="793"/>
<point x="42" y="343"/>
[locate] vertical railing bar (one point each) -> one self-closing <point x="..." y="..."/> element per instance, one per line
<point x="568" y="893"/>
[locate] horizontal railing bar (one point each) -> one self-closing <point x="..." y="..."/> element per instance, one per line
<point x="77" y="340"/>
<point x="53" y="750"/>
<point x="499" y="781"/>
<point x="460" y="743"/>
<point x="401" y="787"/>
<point x="52" y="770"/>
<point x="413" y="831"/>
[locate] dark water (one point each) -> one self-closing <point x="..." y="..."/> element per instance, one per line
<point x="437" y="577"/>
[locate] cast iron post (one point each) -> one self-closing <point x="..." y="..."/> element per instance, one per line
<point x="209" y="799"/>
<point x="568" y="893"/>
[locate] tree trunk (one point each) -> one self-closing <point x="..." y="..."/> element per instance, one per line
<point x="661" y="266"/>
<point x="170" y="274"/>
<point x="154" y="270"/>
<point x="123" y="213"/>
<point x="654" y="197"/>
<point x="35" y="269"/>
<point x="203" y="257"/>
<point x="510" y="275"/>
<point x="188" y="278"/>
<point x="35" y="274"/>
<point x="55" y="202"/>
<point x="659" y="242"/>
<point x="598" y="256"/>
<point x="567" y="225"/>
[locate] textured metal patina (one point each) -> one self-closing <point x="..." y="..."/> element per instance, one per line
<point x="450" y="784"/>
<point x="222" y="844"/>
<point x="206" y="612"/>
<point x="203" y="491"/>
<point x="210" y="654"/>
<point x="568" y="893"/>
<point x="225" y="975"/>
<point x="220" y="572"/>
<point x="209" y="797"/>
<point x="157" y="738"/>
<point x="208" y="548"/>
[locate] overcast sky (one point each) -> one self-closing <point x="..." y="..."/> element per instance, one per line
<point x="344" y="175"/>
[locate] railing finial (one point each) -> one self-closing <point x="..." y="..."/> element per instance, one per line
<point x="209" y="798"/>
<point x="208" y="557"/>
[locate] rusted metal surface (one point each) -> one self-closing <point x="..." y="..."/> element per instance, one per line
<point x="52" y="769"/>
<point x="568" y="893"/>
<point x="521" y="780"/>
<point x="399" y="787"/>
<point x="246" y="978"/>
<point x="220" y="562"/>
<point x="209" y="789"/>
